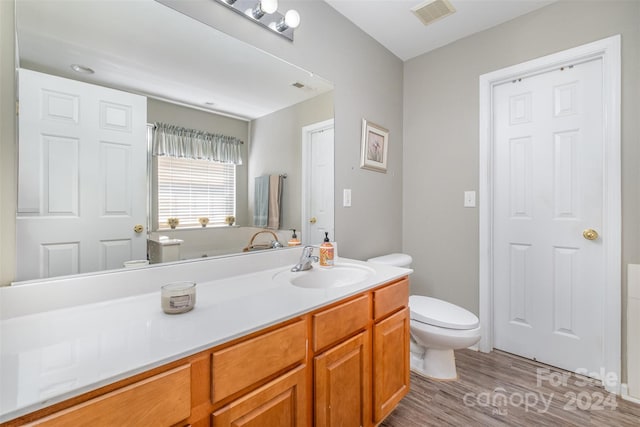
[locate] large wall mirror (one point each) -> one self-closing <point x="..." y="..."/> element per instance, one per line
<point x="155" y="65"/>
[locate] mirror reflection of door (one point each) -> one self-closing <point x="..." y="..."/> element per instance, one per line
<point x="81" y="177"/>
<point x="317" y="171"/>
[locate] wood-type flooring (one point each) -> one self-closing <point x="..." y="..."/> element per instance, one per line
<point x="500" y="389"/>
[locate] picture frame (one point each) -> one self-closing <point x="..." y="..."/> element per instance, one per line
<point x="374" y="147"/>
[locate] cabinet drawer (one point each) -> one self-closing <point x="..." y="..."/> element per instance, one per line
<point x="390" y="298"/>
<point x="162" y="400"/>
<point x="242" y="365"/>
<point x="336" y="323"/>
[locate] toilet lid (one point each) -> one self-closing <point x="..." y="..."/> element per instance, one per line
<point x="433" y="311"/>
<point x="395" y="259"/>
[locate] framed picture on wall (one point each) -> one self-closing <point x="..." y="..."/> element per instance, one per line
<point x="375" y="142"/>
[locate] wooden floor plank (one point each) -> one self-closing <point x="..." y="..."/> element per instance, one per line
<point x="499" y="389"/>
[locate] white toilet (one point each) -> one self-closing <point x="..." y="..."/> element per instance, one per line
<point x="437" y="328"/>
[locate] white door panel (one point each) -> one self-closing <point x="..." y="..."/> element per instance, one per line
<point x="318" y="215"/>
<point x="81" y="177"/>
<point x="549" y="280"/>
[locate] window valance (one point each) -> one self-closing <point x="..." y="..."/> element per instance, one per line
<point x="176" y="141"/>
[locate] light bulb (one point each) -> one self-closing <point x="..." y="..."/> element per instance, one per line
<point x="269" y="6"/>
<point x="292" y="18"/>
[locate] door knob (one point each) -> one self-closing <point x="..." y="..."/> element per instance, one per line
<point x="138" y="228"/>
<point x="313" y="220"/>
<point x="590" y="234"/>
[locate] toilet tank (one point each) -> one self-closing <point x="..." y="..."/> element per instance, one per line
<point x="395" y="259"/>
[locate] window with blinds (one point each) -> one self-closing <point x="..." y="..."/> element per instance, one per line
<point x="189" y="189"/>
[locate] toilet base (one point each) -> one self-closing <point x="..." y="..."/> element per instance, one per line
<point x="435" y="364"/>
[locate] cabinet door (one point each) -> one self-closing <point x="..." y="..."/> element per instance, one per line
<point x="343" y="384"/>
<point x="279" y="403"/>
<point x="390" y="363"/>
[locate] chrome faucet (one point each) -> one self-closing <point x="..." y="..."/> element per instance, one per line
<point x="305" y="260"/>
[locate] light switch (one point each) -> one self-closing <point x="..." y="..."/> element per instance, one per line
<point x="469" y="199"/>
<point x="346" y="198"/>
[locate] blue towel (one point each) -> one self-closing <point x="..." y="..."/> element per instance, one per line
<point x="261" y="201"/>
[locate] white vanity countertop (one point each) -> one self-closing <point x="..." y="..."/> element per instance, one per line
<point x="50" y="356"/>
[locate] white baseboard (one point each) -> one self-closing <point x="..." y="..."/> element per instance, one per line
<point x="624" y="393"/>
<point x="474" y="347"/>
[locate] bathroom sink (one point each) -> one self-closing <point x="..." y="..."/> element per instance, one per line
<point x="339" y="275"/>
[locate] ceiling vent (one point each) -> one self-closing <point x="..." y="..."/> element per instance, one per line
<point x="432" y="10"/>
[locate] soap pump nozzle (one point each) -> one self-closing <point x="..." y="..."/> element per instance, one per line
<point x="293" y="241"/>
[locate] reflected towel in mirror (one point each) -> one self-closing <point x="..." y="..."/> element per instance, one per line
<point x="275" y="201"/>
<point x="268" y="201"/>
<point x="261" y="201"/>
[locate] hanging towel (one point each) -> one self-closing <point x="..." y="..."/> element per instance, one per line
<point x="261" y="201"/>
<point x="275" y="201"/>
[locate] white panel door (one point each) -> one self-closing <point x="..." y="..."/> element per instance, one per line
<point x="81" y="177"/>
<point x="548" y="278"/>
<point x="319" y="207"/>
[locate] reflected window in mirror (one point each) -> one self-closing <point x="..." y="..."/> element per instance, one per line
<point x="195" y="176"/>
<point x="195" y="192"/>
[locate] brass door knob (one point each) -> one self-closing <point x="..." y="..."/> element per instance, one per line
<point x="590" y="234"/>
<point x="313" y="220"/>
<point x="138" y="228"/>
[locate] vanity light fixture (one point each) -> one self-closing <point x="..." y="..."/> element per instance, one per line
<point x="291" y="20"/>
<point x="262" y="7"/>
<point x="265" y="13"/>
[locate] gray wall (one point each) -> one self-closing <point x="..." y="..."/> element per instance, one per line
<point x="276" y="148"/>
<point x="441" y="136"/>
<point x="368" y="84"/>
<point x="159" y="111"/>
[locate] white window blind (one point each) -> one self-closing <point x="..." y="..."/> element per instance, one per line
<point x="189" y="189"/>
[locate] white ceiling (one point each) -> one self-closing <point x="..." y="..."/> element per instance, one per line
<point x="393" y="24"/>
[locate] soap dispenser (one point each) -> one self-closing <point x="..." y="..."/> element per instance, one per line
<point x="293" y="241"/>
<point x="326" y="252"/>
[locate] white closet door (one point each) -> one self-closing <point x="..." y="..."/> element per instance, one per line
<point x="549" y="287"/>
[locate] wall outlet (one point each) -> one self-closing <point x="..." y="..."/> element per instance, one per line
<point x="469" y="199"/>
<point x="346" y="198"/>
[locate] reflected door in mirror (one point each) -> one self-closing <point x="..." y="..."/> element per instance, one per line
<point x="81" y="177"/>
<point x="319" y="203"/>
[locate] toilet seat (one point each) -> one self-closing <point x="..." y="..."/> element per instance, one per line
<point x="433" y="311"/>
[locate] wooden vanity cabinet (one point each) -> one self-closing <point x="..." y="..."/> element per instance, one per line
<point x="390" y="348"/>
<point x="358" y="382"/>
<point x="342" y="364"/>
<point x="345" y="365"/>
